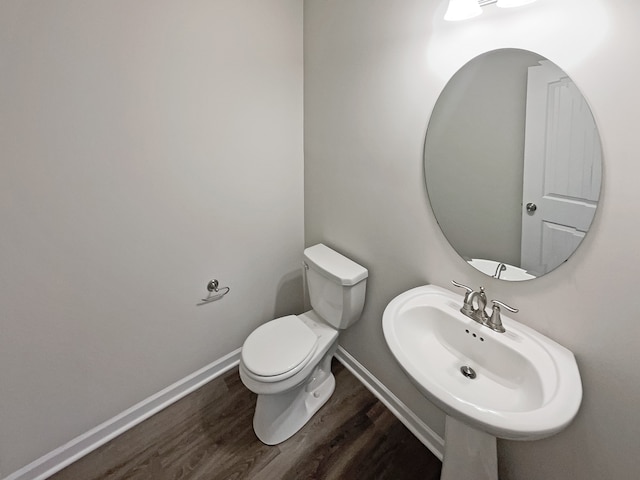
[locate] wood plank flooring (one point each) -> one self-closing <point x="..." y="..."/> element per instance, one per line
<point x="208" y="435"/>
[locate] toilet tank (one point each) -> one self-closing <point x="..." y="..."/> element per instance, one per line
<point x="336" y="285"/>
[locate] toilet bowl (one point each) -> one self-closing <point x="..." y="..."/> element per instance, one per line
<point x="289" y="395"/>
<point x="287" y="361"/>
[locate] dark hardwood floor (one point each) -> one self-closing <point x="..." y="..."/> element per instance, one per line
<point x="208" y="435"/>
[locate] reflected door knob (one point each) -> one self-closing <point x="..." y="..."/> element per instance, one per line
<point x="531" y="207"/>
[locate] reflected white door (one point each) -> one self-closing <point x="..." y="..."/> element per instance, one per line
<point x="562" y="169"/>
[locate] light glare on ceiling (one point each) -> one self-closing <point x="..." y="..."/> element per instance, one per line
<point x="513" y="3"/>
<point x="465" y="9"/>
<point x="462" y="10"/>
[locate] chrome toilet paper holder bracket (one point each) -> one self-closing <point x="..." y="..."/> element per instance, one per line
<point x="215" y="292"/>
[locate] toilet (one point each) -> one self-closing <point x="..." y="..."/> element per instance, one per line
<point x="287" y="361"/>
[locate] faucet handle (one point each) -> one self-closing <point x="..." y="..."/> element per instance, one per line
<point x="460" y="285"/>
<point x="495" y="322"/>
<point x="468" y="289"/>
<point x="467" y="307"/>
<point x="504" y="305"/>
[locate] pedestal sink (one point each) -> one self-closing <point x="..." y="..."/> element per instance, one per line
<point x="518" y="385"/>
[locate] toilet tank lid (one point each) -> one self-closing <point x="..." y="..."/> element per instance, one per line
<point x="335" y="265"/>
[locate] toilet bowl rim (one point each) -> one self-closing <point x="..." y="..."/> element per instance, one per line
<point x="327" y="335"/>
<point x="286" y="341"/>
<point x="283" y="375"/>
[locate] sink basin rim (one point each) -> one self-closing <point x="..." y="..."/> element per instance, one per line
<point x="562" y="386"/>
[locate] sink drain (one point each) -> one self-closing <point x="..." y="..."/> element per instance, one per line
<point x="468" y="372"/>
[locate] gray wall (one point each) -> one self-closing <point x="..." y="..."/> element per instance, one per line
<point x="146" y="148"/>
<point x="373" y="72"/>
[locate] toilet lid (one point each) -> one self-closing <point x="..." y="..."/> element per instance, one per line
<point x="278" y="346"/>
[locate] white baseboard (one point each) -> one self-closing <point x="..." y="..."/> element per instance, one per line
<point x="80" y="446"/>
<point x="68" y="453"/>
<point x="421" y="430"/>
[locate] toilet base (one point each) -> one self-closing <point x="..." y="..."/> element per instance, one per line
<point x="280" y="416"/>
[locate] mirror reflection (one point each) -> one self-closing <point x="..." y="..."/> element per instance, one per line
<point x="513" y="164"/>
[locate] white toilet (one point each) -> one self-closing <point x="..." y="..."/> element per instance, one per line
<point x="287" y="361"/>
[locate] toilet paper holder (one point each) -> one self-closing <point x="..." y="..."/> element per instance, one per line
<point x="215" y="292"/>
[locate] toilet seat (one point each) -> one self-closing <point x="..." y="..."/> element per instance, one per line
<point x="278" y="349"/>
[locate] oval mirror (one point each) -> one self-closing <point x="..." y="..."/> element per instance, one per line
<point x="513" y="164"/>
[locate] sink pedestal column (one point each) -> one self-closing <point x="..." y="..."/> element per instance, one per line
<point x="469" y="454"/>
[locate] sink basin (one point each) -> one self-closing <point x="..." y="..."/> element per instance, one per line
<point x="526" y="386"/>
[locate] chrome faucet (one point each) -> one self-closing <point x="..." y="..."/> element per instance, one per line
<point x="475" y="304"/>
<point x="479" y="313"/>
<point x="499" y="269"/>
